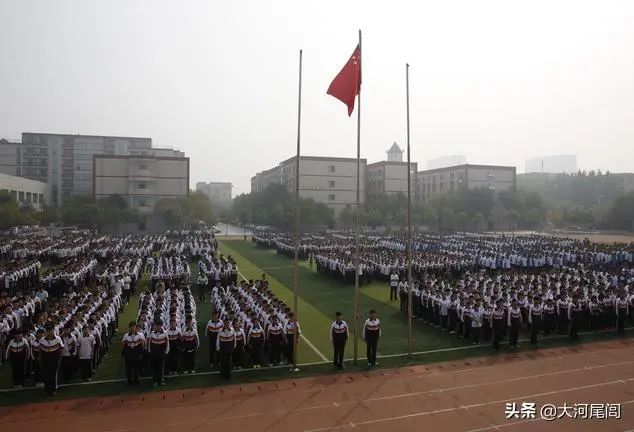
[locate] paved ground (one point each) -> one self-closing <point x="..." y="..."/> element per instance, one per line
<point x="470" y="395"/>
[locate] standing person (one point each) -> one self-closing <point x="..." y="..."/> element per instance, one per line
<point x="514" y="322"/>
<point x="174" y="335"/>
<point x="275" y="338"/>
<point x="393" y="286"/>
<point x="574" y="317"/>
<point x="621" y="308"/>
<point x="371" y="334"/>
<point x="213" y="328"/>
<point x="445" y="312"/>
<point x="158" y="346"/>
<point x="69" y="352"/>
<point x="238" y="352"/>
<point x="562" y="307"/>
<point x="35" y="355"/>
<point x="133" y="349"/>
<point x="225" y="344"/>
<point x="498" y="321"/>
<point x="202" y="282"/>
<point x="402" y="292"/>
<point x="18" y="352"/>
<point x="50" y="354"/>
<point x="127" y="287"/>
<point x="476" y="322"/>
<point x="190" y="343"/>
<point x="548" y="319"/>
<point x="338" y="336"/>
<point x="535" y="315"/>
<point x="292" y="331"/>
<point x="255" y="341"/>
<point x="86" y="349"/>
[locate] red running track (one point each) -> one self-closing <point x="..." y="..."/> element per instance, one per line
<point x="468" y="395"/>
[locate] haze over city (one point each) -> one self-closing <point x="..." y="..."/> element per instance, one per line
<point x="497" y="81"/>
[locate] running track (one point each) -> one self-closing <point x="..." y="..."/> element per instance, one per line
<point x="458" y="396"/>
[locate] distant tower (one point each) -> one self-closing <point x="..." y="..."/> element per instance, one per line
<point x="395" y="154"/>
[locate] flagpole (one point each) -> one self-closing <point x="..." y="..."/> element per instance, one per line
<point x="296" y="260"/>
<point x="356" y="215"/>
<point x="409" y="225"/>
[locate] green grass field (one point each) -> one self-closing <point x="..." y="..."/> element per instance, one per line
<point x="319" y="298"/>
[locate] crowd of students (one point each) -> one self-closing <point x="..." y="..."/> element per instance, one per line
<point x="482" y="287"/>
<point x="60" y="323"/>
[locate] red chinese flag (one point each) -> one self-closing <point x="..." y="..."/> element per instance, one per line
<point x="347" y="83"/>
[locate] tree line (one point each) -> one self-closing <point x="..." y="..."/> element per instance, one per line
<point x="107" y="213"/>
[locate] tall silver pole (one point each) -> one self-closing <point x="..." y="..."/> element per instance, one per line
<point x="296" y="260"/>
<point x="356" y="214"/>
<point x="409" y="225"/>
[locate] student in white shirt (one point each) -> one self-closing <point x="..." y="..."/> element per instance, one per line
<point x="86" y="346"/>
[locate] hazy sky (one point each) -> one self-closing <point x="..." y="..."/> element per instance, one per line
<point x="498" y="81"/>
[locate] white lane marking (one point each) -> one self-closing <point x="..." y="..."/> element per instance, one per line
<point x="466" y="407"/>
<point x="513" y="423"/>
<point x="304" y="338"/>
<point x="419" y="393"/>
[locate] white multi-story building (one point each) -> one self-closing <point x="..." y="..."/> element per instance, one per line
<point x="65" y="161"/>
<point x="445" y="180"/>
<point x="552" y="164"/>
<point x="217" y="192"/>
<point x="328" y="180"/>
<point x="141" y="180"/>
<point x="389" y="178"/>
<point x="25" y="191"/>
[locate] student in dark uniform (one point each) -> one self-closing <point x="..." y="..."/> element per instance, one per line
<point x="225" y="344"/>
<point x="255" y="341"/>
<point x="18" y="352"/>
<point x="132" y="352"/>
<point x="371" y="333"/>
<point x="621" y="308"/>
<point x="514" y="322"/>
<point x="50" y="356"/>
<point x="238" y="352"/>
<point x="338" y="336"/>
<point x="549" y="318"/>
<point x="275" y="338"/>
<point x="158" y="346"/>
<point x="498" y="323"/>
<point x="293" y="332"/>
<point x="174" y="336"/>
<point x="535" y="314"/>
<point x="575" y="314"/>
<point x="190" y="343"/>
<point x="213" y="328"/>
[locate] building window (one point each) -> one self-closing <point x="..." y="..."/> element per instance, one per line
<point x="41" y="198"/>
<point x="35" y="200"/>
<point x="331" y="183"/>
<point x="141" y="186"/>
<point x="142" y="166"/>
<point x="331" y="168"/>
<point x="21" y="197"/>
<point x="331" y="197"/>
